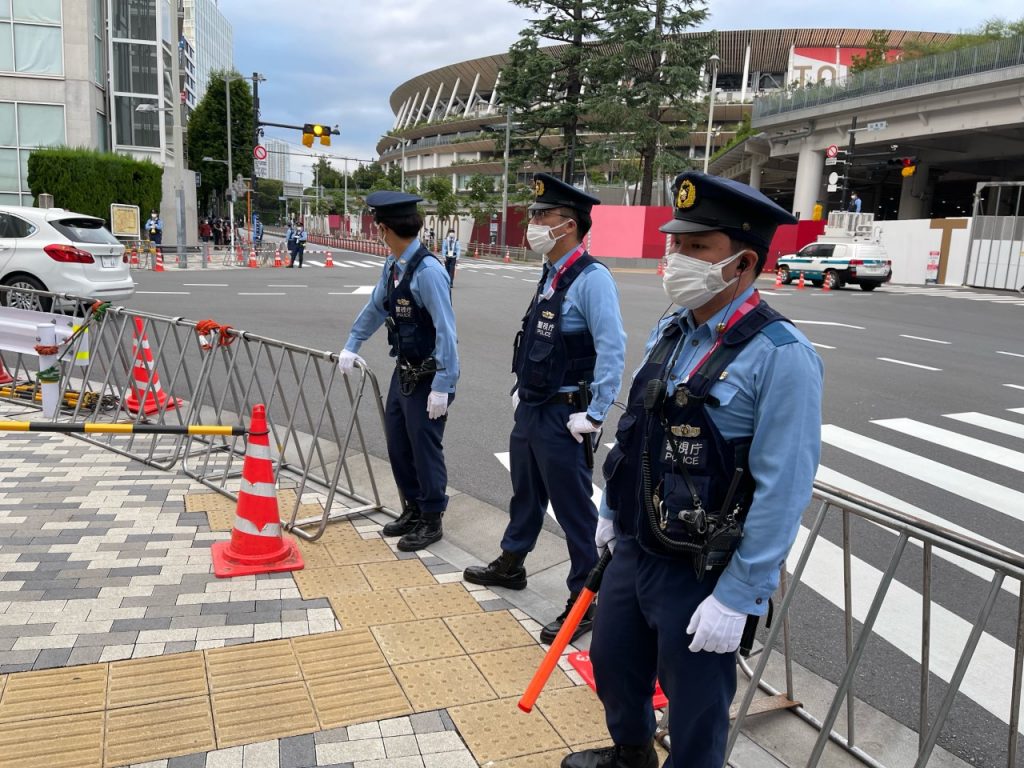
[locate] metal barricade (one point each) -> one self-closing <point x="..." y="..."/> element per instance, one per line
<point x="997" y="564"/>
<point x="995" y="253"/>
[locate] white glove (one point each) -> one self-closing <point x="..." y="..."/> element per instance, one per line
<point x="347" y="360"/>
<point x="515" y="400"/>
<point x="437" y="404"/>
<point x="605" y="536"/>
<point x="715" y="627"/>
<point x="580" y="425"/>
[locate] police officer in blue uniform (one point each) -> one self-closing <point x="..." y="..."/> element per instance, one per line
<point x="413" y="298"/>
<point x="712" y="469"/>
<point x="568" y="360"/>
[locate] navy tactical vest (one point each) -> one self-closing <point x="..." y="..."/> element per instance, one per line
<point x="411" y="332"/>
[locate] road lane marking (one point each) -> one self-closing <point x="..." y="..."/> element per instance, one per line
<point x="956" y="442"/>
<point x="963" y="484"/>
<point x="922" y="338"/>
<point x="830" y="322"/>
<point x="166" y="293"/>
<point x="360" y="290"/>
<point x="1013" y="386"/>
<point x="262" y="293"/>
<point x="822" y="346"/>
<point x="1010" y="354"/>
<point x="904" y="362"/>
<point x="1011" y="428"/>
<point x="206" y="285"/>
<point x="288" y="286"/>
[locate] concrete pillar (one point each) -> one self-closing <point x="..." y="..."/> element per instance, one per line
<point x="756" y="164"/>
<point x="913" y="194"/>
<point x="810" y="166"/>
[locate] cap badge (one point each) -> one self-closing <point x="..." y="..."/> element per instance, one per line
<point x="548" y="315"/>
<point x="685" y="430"/>
<point x="687" y="195"/>
<point x="403" y="302"/>
<point x="538" y="188"/>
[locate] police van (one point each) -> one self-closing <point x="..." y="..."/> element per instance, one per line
<point x="848" y="253"/>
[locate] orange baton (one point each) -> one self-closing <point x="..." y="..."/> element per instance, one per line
<point x="579" y="608"/>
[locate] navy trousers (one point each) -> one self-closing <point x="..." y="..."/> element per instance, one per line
<point x="549" y="465"/>
<point x="414" y="447"/>
<point x="639" y="636"/>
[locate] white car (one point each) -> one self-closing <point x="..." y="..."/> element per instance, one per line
<point x="50" y="249"/>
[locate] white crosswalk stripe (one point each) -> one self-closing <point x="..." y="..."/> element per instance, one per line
<point x="958" y="293"/>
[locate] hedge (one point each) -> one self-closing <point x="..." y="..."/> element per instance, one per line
<point x="88" y="181"/>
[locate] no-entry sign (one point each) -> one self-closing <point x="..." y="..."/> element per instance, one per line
<point x="259" y="152"/>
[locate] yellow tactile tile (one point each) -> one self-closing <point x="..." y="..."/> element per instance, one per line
<point x="396" y="574"/>
<point x="161" y="678"/>
<point x="538" y="760"/>
<point x="509" y="671"/>
<point x="247" y="666"/>
<point x="346" y="698"/>
<point x="363" y="610"/>
<point x="260" y="714"/>
<point x="3" y="681"/>
<point x="35" y="743"/>
<point x="154" y="731"/>
<point x="488" y="631"/>
<point x="314" y="554"/>
<point x="575" y="713"/>
<point x="498" y="730"/>
<point x="417" y="641"/>
<point x="54" y="692"/>
<point x="337" y="531"/>
<point x="440" y="601"/>
<point x="346" y="551"/>
<point x="220" y="510"/>
<point x="443" y="683"/>
<point x="332" y="652"/>
<point x="335" y="580"/>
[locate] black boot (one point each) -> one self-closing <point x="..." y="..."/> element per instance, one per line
<point x="405" y="523"/>
<point x="427" y="532"/>
<point x="507" y="571"/>
<point x="548" y="634"/>
<point x="619" y="756"/>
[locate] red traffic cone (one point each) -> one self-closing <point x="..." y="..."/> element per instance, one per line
<point x="778" y="279"/>
<point x="252" y="260"/>
<point x="256" y="545"/>
<point x="800" y="282"/>
<point x="5" y="377"/>
<point x="277" y="257"/>
<point x="476" y="252"/>
<point x="158" y="261"/>
<point x="329" y="261"/>
<point x="238" y="255"/>
<point x="134" y="258"/>
<point x="508" y="259"/>
<point x="826" y="284"/>
<point x="146" y="394"/>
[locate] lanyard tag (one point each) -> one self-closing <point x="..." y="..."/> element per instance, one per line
<point x="547" y="294"/>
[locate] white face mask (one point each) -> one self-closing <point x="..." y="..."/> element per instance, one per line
<point x="541" y="239"/>
<point x="692" y="283"/>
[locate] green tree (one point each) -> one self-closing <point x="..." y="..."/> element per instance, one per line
<point x="326" y="175"/>
<point x="266" y="200"/>
<point x="366" y="176"/>
<point x="438" y="190"/>
<point x="989" y="31"/>
<point x="207" y="136"/>
<point x="480" y="201"/>
<point x="875" y="54"/>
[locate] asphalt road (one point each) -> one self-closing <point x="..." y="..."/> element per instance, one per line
<point x="920" y="387"/>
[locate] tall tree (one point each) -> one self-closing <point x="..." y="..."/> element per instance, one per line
<point x="481" y="202"/>
<point x="207" y="135"/>
<point x="875" y="54"/>
<point x="545" y="87"/>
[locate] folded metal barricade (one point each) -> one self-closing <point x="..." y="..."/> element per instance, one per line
<point x="143" y="368"/>
<point x="1001" y="567"/>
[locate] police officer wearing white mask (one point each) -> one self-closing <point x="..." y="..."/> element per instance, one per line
<point x="572" y="332"/>
<point x="711" y="471"/>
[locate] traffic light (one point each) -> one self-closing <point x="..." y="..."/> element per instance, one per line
<point x="311" y="131"/>
<point x="907" y="165"/>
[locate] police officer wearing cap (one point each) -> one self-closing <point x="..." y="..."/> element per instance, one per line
<point x="704" y="489"/>
<point x="413" y="297"/>
<point x="568" y="360"/>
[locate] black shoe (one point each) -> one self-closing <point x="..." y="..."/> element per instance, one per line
<point x="408" y="520"/>
<point x="548" y="634"/>
<point x="427" y="532"/>
<point x="507" y="571"/>
<point x="619" y="756"/>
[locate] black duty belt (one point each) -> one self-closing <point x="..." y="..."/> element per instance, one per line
<point x="569" y="398"/>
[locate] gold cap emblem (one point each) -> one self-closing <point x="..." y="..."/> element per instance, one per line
<point x="548" y="315"/>
<point x="687" y="195"/>
<point x="403" y="302"/>
<point x="685" y="430"/>
<point x="538" y="188"/>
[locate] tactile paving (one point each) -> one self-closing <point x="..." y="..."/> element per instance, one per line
<point x="337" y="531"/>
<point x="54" y="692"/>
<point x="246" y="666"/>
<point x="489" y="631"/>
<point x="417" y="641"/>
<point x="357" y="609"/>
<point x="261" y="714"/>
<point x="509" y="671"/>
<point x="335" y="580"/>
<point x="314" y="554"/>
<point x="397" y="574"/>
<point x="35" y="743"/>
<point x="348" y="651"/>
<point x="346" y="698"/>
<point x="152" y="731"/>
<point x="537" y="760"/>
<point x="575" y="713"/>
<point x="440" y="601"/>
<point x="358" y="551"/>
<point x="220" y="510"/>
<point x="498" y="730"/>
<point x="147" y="681"/>
<point x="443" y="683"/>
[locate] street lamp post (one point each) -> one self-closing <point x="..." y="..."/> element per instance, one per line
<point x="404" y="142"/>
<point x="504" y="178"/>
<point x="713" y="61"/>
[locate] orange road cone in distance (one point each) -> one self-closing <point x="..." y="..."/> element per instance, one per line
<point x="134" y="262"/>
<point x="252" y="260"/>
<point x="145" y="393"/>
<point x="800" y="282"/>
<point x="508" y="258"/>
<point x="158" y="261"/>
<point x="256" y="544"/>
<point x="826" y="284"/>
<point x="778" y="278"/>
<point x="238" y="255"/>
<point x="329" y="261"/>
<point x="5" y="377"/>
<point x="277" y="257"/>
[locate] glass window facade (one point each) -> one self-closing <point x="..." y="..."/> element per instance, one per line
<point x="135" y="67"/>
<point x="30" y="37"/>
<point x="24" y="126"/>
<point x="140" y="129"/>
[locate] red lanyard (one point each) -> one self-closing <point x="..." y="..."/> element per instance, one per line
<point x="565" y="267"/>
<point x="751" y="303"/>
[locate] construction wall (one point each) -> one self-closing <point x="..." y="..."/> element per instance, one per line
<point x="911" y="242"/>
<point x="628" y="231"/>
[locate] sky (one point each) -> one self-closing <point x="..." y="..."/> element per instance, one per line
<point x="337" y="61"/>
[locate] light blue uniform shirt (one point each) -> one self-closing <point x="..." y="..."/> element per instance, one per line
<point x="430" y="290"/>
<point x="592" y="302"/>
<point x="774" y="394"/>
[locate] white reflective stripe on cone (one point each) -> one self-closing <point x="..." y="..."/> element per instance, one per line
<point x="256" y="451"/>
<point x="247" y="526"/>
<point x="258" y="489"/>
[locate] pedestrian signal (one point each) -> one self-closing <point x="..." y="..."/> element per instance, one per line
<point x="312" y="131"/>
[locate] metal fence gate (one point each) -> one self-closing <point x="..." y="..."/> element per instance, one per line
<point x="995" y="255"/>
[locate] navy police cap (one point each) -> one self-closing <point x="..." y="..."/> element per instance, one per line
<point x="552" y="192"/>
<point x="704" y="203"/>
<point x="393" y="203"/>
